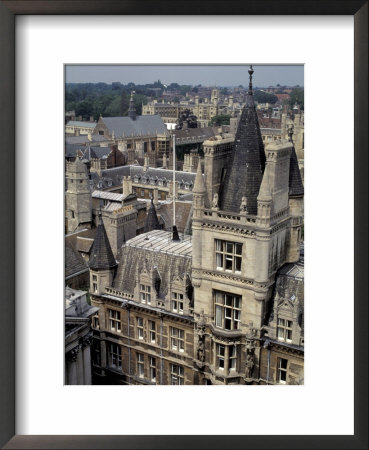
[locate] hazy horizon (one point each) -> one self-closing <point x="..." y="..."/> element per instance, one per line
<point x="206" y="75"/>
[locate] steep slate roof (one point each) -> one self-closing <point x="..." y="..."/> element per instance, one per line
<point x="290" y="285"/>
<point x="296" y="188"/>
<point x="160" y="253"/>
<point x="245" y="172"/>
<point x="141" y="126"/>
<point x="116" y="174"/>
<point x="74" y="263"/>
<point x="152" y="222"/>
<point x="96" y="152"/>
<point x="101" y="256"/>
<point x="183" y="214"/>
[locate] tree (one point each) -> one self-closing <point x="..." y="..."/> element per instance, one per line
<point x="223" y="119"/>
<point x="297" y="96"/>
<point x="264" y="97"/>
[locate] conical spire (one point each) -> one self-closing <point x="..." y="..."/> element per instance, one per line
<point x="152" y="221"/>
<point x="296" y="188"/>
<point x="101" y="254"/>
<point x="132" y="108"/>
<point x="245" y="173"/>
<point x="199" y="186"/>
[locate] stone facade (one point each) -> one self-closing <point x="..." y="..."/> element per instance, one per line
<point x="225" y="305"/>
<point x="78" y="196"/>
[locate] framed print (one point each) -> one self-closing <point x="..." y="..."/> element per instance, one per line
<point x="333" y="400"/>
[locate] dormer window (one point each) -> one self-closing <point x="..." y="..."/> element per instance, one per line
<point x="177" y="302"/>
<point x="284" y="330"/>
<point x="145" y="294"/>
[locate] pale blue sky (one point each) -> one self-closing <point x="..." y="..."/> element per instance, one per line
<point x="207" y="75"/>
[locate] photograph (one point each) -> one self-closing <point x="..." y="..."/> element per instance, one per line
<point x="184" y="225"/>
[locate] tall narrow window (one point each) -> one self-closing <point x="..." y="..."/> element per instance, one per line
<point x="177" y="302"/>
<point x="220" y="356"/>
<point x="282" y="370"/>
<point x="227" y="310"/>
<point x="176" y="374"/>
<point x="140" y="328"/>
<point x="145" y="294"/>
<point x="140" y="365"/>
<point x="228" y="256"/>
<point x="152" y="369"/>
<point x="232" y="357"/>
<point x="114" y="320"/>
<point x="152" y="330"/>
<point x="115" y="356"/>
<point x="177" y="339"/>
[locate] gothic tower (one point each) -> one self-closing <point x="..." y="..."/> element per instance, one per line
<point x="239" y="241"/>
<point x="78" y="196"/>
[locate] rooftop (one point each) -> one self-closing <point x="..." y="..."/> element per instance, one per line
<point x="80" y="123"/>
<point x="161" y="241"/>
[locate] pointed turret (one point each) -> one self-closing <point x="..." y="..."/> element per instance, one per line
<point x="102" y="257"/>
<point x="296" y="188"/>
<point x="132" y="108"/>
<point x="199" y="186"/>
<point x="152" y="221"/>
<point x="245" y="173"/>
<point x="264" y="193"/>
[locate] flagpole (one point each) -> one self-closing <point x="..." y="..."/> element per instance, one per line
<point x="174" y="180"/>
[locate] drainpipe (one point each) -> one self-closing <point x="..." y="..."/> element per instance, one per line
<point x="161" y="349"/>
<point x="268" y="347"/>
<point x="129" y="347"/>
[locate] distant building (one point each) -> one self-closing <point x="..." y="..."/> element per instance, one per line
<point x="137" y="136"/>
<point x="79" y="127"/>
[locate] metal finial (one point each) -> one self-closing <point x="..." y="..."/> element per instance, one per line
<point x="251" y="71"/>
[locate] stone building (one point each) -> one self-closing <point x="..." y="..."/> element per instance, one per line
<point x="136" y="136"/>
<point x="204" y="109"/>
<point x="225" y="305"/>
<point x="78" y="212"/>
<point x="78" y="337"/>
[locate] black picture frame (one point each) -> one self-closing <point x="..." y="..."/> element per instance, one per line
<point x="8" y="11"/>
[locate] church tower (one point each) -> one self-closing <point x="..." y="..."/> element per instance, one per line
<point x="132" y="108"/>
<point x="78" y="196"/>
<point x="239" y="242"/>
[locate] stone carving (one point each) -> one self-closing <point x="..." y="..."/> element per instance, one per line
<point x="215" y="201"/>
<point x="73" y="354"/>
<point x="243" y="204"/>
<point x="249" y="365"/>
<point x="201" y="349"/>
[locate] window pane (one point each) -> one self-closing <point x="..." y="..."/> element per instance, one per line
<point x="219" y="260"/>
<point x="228" y="263"/>
<point x="236" y="302"/>
<point x="238" y="264"/>
<point x="229" y="247"/>
<point x="229" y="300"/>
<point x="281" y="322"/>
<point x="238" y="250"/>
<point x="219" y="245"/>
<point x="218" y="316"/>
